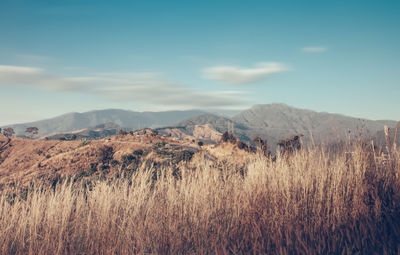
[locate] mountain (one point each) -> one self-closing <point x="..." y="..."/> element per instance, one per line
<point x="274" y="122"/>
<point x="280" y="121"/>
<point x="271" y="122"/>
<point x="123" y="118"/>
<point x="190" y="128"/>
<point x="99" y="131"/>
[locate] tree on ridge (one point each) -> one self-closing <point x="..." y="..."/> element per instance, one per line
<point x="32" y="131"/>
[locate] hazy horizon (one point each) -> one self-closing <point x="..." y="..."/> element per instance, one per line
<point x="77" y="56"/>
<point x="221" y="112"/>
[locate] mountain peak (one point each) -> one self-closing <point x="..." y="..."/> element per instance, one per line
<point x="277" y="107"/>
<point x="272" y="105"/>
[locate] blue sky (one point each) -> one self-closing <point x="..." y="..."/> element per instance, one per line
<point x="64" y="56"/>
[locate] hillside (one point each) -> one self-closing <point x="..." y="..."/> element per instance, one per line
<point x="209" y="123"/>
<point x="24" y="160"/>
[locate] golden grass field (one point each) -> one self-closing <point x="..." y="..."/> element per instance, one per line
<point x="315" y="202"/>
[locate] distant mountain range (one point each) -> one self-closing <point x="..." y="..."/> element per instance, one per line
<point x="269" y="121"/>
<point x="97" y="132"/>
<point x="277" y="121"/>
<point x="123" y="118"/>
<point x="274" y="122"/>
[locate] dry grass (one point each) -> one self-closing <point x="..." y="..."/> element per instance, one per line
<point x="313" y="203"/>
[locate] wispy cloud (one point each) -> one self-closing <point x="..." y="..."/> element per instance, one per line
<point x="314" y="49"/>
<point x="149" y="88"/>
<point x="239" y="75"/>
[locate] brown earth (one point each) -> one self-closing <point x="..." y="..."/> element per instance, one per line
<point x="24" y="160"/>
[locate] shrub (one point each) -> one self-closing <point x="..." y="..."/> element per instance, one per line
<point x="128" y="159"/>
<point x="228" y="137"/>
<point x="241" y="145"/>
<point x="262" y="145"/>
<point x="84" y="143"/>
<point x="103" y="167"/>
<point x="122" y="132"/>
<point x="138" y="153"/>
<point x="106" y="154"/>
<point x="88" y="172"/>
<point x="8" y="132"/>
<point x="114" y="162"/>
<point x="183" y="155"/>
<point x="92" y="169"/>
<point x="158" y="145"/>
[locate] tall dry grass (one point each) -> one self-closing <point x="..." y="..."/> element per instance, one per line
<point x="315" y="202"/>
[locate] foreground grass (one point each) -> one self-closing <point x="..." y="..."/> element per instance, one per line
<point x="313" y="203"/>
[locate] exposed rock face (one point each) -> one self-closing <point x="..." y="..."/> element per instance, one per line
<point x="206" y="132"/>
<point x="196" y="132"/>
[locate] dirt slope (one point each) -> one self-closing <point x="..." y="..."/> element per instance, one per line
<point x="24" y="160"/>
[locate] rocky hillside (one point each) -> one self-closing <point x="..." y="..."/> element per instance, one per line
<point x="25" y="160"/>
<point x="212" y="126"/>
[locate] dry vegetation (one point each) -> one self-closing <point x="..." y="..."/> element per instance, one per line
<point x="23" y="160"/>
<point x="315" y="202"/>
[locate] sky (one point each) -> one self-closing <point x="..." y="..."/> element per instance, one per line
<point x="75" y="56"/>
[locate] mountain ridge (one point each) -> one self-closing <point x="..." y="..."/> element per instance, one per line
<point x="124" y="118"/>
<point x="271" y="122"/>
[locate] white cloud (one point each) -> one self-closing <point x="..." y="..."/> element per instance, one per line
<point x="148" y="88"/>
<point x="314" y="49"/>
<point x="12" y="72"/>
<point x="238" y="75"/>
